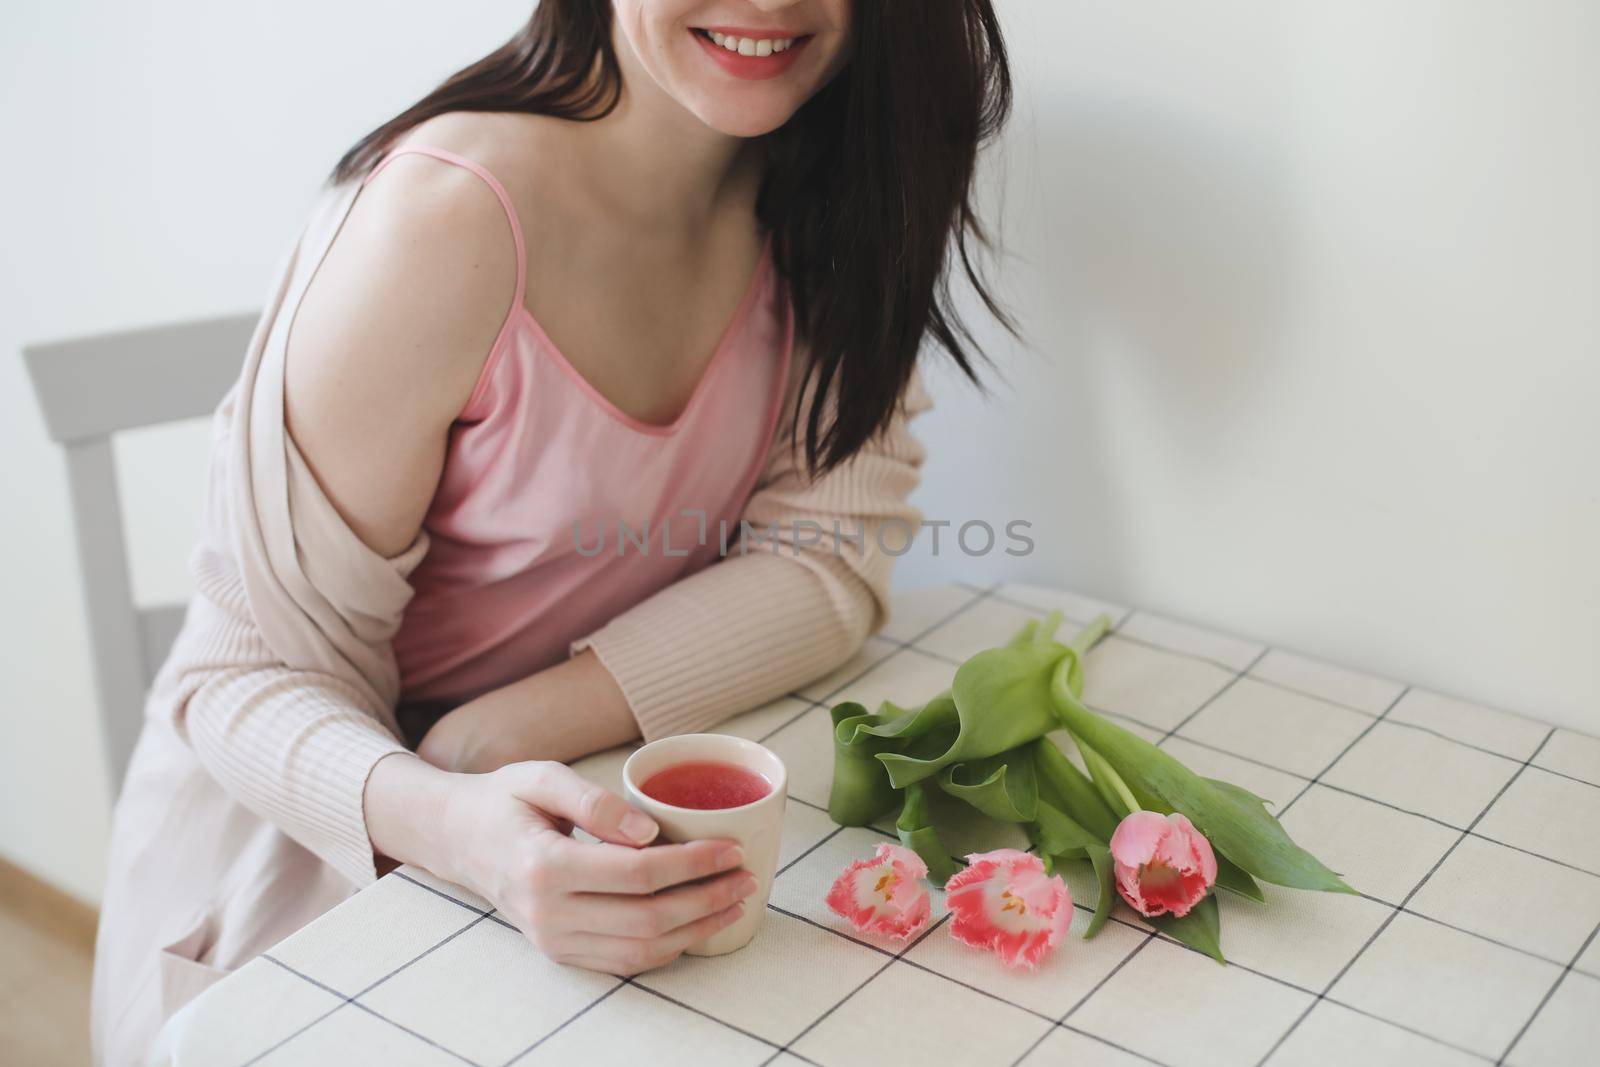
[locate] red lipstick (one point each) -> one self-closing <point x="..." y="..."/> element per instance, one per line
<point x="750" y="68"/>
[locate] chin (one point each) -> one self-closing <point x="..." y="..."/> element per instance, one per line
<point x="750" y="119"/>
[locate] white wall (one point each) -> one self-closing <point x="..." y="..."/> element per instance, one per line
<point x="1309" y="287"/>
<point x="158" y="160"/>
<point x="1314" y="289"/>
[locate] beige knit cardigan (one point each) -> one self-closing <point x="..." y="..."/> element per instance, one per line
<point x="283" y="681"/>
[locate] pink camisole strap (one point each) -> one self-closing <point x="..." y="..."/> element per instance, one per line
<point x="500" y="193"/>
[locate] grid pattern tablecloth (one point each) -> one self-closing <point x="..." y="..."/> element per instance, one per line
<point x="1471" y="834"/>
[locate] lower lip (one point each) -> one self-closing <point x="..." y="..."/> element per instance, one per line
<point x="751" y="68"/>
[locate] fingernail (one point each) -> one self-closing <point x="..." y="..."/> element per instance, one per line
<point x="745" y="887"/>
<point x="731" y="856"/>
<point x="733" y="914"/>
<point x="639" y="827"/>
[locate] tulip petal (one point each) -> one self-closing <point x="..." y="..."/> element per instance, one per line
<point x="1163" y="864"/>
<point x="884" y="894"/>
<point x="1005" y="902"/>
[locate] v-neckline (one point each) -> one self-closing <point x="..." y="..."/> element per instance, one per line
<point x="724" y="344"/>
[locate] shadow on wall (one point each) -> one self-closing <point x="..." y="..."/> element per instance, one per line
<point x="1147" y="260"/>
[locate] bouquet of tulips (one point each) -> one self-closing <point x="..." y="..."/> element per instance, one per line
<point x="1153" y="831"/>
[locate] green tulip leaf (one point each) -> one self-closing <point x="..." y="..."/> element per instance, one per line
<point x="1236" y="879"/>
<point x="1003" y="787"/>
<point x="1105" y="873"/>
<point x="917" y="832"/>
<point x="1238" y="826"/>
<point x="1056" y="835"/>
<point x="861" y="791"/>
<point x="1101" y="776"/>
<point x="894" y="722"/>
<point x="1200" y="929"/>
<point x="1002" y="699"/>
<point x="1063" y="785"/>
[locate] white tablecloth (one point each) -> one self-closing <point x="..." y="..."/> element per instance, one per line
<point x="1471" y="833"/>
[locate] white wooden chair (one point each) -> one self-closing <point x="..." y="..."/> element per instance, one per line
<point x="89" y="389"/>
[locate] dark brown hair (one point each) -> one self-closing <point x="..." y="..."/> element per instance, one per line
<point x="867" y="189"/>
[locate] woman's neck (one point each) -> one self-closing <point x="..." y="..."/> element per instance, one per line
<point x="653" y="165"/>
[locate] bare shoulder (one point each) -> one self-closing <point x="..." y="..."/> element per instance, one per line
<point x="418" y="280"/>
<point x="390" y="337"/>
<point x="508" y="145"/>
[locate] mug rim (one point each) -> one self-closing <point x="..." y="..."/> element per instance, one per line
<point x="779" y="787"/>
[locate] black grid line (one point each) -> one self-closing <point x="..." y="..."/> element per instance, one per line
<point x="829" y="836"/>
<point x="1135" y="1053"/>
<point x="276" y="1045"/>
<point x="568" y="1021"/>
<point x="621" y="982"/>
<point x="1320" y="995"/>
<point x="1551" y="992"/>
<point x="1081" y="1001"/>
<point x="1414" y="890"/>
<point x="351" y="1001"/>
<point x="403" y="1028"/>
<point x="1213" y="698"/>
<point x="1297" y="691"/>
<point x="1354" y="741"/>
<point x="1163" y="937"/>
<point x="1425" y="917"/>
<point x="788" y="1046"/>
<point x="1564" y="774"/>
<point x="1360" y="795"/>
<point x="997" y="592"/>
<point x="1413" y="1031"/>
<point x="723" y="1022"/>
<point x="404" y="877"/>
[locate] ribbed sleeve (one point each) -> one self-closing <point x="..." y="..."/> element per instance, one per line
<point x="294" y="746"/>
<point x="784" y="611"/>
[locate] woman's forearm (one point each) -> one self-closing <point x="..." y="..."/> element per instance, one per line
<point x="561" y="713"/>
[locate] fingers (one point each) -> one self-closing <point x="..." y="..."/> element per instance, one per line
<point x="602" y="868"/>
<point x="626" y="956"/>
<point x="564" y="793"/>
<point x="654" y="916"/>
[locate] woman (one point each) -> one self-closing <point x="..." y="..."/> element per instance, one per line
<point x="655" y="265"/>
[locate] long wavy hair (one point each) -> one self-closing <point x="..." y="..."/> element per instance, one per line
<point x="867" y="189"/>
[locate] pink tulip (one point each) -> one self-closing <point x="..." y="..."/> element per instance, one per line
<point x="884" y="895"/>
<point x="1163" y="863"/>
<point x="1004" y="902"/>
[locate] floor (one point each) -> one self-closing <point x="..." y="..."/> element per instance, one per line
<point x="44" y="975"/>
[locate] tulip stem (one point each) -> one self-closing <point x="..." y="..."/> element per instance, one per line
<point x="1101" y="769"/>
<point x="1090" y="635"/>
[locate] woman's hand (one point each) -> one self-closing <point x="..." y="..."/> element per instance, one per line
<point x="611" y="906"/>
<point x="561" y="713"/>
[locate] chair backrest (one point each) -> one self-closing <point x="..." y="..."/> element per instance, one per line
<point x="89" y="389"/>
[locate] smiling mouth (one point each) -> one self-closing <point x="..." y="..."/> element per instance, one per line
<point x="758" y="47"/>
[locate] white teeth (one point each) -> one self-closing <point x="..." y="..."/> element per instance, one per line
<point x="751" y="46"/>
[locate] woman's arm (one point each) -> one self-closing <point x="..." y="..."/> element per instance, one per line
<point x="740" y="633"/>
<point x="755" y="626"/>
<point x="561" y="713"/>
<point x="384" y="355"/>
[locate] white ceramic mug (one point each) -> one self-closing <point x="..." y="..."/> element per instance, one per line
<point x="757" y="826"/>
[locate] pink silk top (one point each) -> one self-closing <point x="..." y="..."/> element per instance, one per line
<point x="548" y="490"/>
